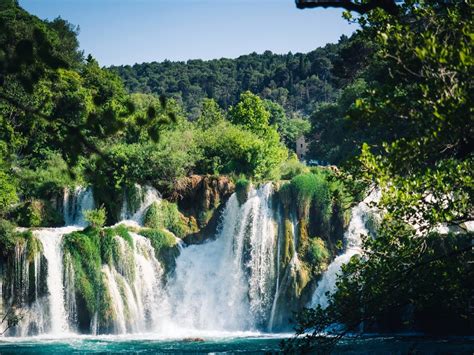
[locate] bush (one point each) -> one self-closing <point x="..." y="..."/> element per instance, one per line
<point x="152" y="216"/>
<point x="96" y="218"/>
<point x="291" y="168"/>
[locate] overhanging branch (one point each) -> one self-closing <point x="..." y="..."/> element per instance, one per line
<point x="361" y="8"/>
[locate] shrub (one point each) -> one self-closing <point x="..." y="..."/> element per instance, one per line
<point x="96" y="218"/>
<point x="291" y="168"/>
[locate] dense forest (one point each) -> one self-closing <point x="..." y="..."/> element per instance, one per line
<point x="298" y="81"/>
<point x="391" y="107"/>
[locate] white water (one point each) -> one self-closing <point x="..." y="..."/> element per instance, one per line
<point x="226" y="284"/>
<point x="148" y="196"/>
<point x="135" y="288"/>
<point x="352" y="238"/>
<point x="51" y="238"/>
<point x="75" y="203"/>
<point x="230" y="284"/>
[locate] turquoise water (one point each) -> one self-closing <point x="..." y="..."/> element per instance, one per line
<point x="241" y="344"/>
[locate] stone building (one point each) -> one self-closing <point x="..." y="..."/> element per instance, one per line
<point x="301" y="148"/>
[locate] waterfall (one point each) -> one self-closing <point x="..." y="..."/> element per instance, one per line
<point x="147" y="196"/>
<point x="227" y="283"/>
<point x="352" y="238"/>
<point x="233" y="282"/>
<point x="75" y="203"/>
<point x="51" y="239"/>
<point x="135" y="287"/>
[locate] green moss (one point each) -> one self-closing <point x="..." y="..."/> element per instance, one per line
<point x="317" y="254"/>
<point x="122" y="231"/>
<point x="165" y="245"/>
<point x="85" y="254"/>
<point x="33" y="245"/>
<point x="285" y="194"/>
<point x="288" y="246"/>
<point x="166" y="215"/>
<point x="303" y="240"/>
<point x="152" y="218"/>
<point x="109" y="247"/>
<point x="309" y="187"/>
<point x="242" y="188"/>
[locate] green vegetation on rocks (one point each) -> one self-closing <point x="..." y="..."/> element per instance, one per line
<point x="165" y="214"/>
<point x="242" y="189"/>
<point x="165" y="245"/>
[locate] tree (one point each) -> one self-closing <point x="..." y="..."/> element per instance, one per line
<point x="289" y="129"/>
<point x="211" y="114"/>
<point x="361" y="7"/>
<point x="422" y="160"/>
<point x="250" y="113"/>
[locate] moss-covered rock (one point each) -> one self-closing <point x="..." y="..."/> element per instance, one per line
<point x="166" y="215"/>
<point x="242" y="189"/>
<point x="83" y="249"/>
<point x="165" y="245"/>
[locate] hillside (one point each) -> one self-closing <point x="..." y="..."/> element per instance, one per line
<point x="296" y="81"/>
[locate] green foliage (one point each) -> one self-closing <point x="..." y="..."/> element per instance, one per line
<point x="160" y="239"/>
<point x="8" y="237"/>
<point x="152" y="218"/>
<point x="289" y="128"/>
<point x="96" y="218"/>
<point x="250" y="112"/>
<point x="228" y="149"/>
<point x="211" y="114"/>
<point x="309" y="187"/>
<point x="242" y="188"/>
<point x="37" y="213"/>
<point x="8" y="193"/>
<point x="297" y="81"/>
<point x="338" y="140"/>
<point x="417" y="100"/>
<point x="292" y="167"/>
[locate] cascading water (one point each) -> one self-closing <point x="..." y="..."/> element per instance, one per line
<point x="147" y="195"/>
<point x="51" y="239"/>
<point x="232" y="283"/>
<point x="75" y="203"/>
<point x="227" y="284"/>
<point x="135" y="289"/>
<point x="352" y="237"/>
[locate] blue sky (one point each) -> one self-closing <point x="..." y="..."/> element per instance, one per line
<point x="135" y="31"/>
